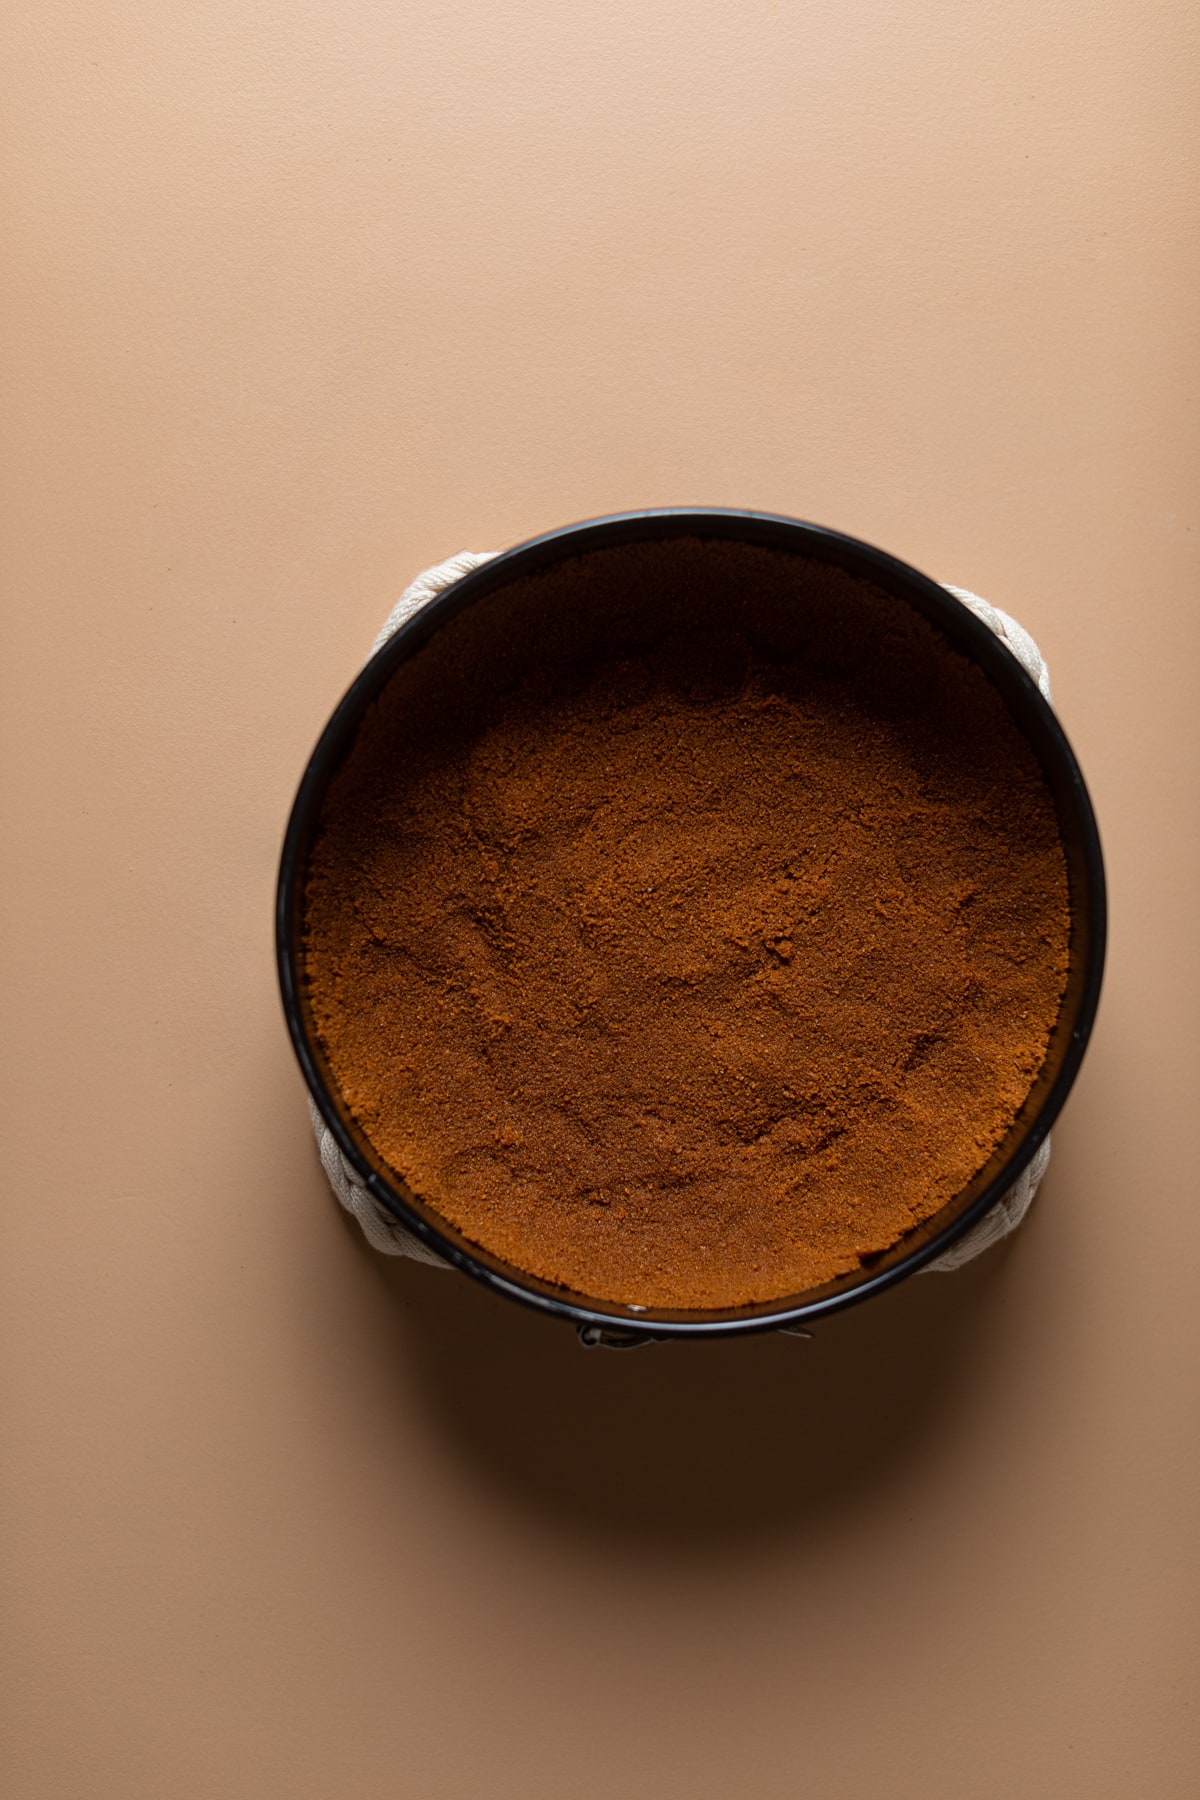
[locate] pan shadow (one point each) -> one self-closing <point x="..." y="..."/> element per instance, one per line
<point x="691" y="1447"/>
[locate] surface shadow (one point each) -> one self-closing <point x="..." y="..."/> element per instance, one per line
<point x="680" y="1447"/>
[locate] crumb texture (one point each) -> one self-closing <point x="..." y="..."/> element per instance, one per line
<point x="687" y="923"/>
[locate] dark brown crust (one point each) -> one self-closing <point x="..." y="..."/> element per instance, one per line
<point x="687" y="924"/>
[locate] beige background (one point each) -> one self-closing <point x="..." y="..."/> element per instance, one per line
<point x="309" y="296"/>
